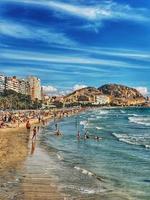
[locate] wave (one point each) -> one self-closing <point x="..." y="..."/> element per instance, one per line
<point x="122" y="111"/>
<point x="103" y="112"/>
<point x="84" y="171"/>
<point x="89" y="173"/>
<point x="147" y="146"/>
<point x="134" y="115"/>
<point x="59" y="156"/>
<point x="138" y="140"/>
<point x="140" y="120"/>
<point x="99" y="128"/>
<point x="84" y="123"/>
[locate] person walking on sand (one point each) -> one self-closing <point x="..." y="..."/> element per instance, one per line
<point x="34" y="133"/>
<point x="28" y="125"/>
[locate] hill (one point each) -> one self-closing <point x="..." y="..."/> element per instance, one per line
<point x="84" y="95"/>
<point x="122" y="95"/>
<point x="109" y="94"/>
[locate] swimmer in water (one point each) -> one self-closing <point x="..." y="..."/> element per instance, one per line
<point x="98" y="138"/>
<point x="86" y="136"/>
<point x="78" y="135"/>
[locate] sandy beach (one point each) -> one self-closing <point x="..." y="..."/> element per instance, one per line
<point x="24" y="164"/>
<point x="22" y="167"/>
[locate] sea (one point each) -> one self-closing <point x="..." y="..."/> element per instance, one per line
<point x="117" y="167"/>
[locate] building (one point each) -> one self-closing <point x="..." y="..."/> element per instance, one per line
<point x="24" y="87"/>
<point x="2" y="83"/>
<point x="35" y="88"/>
<point x="12" y="83"/>
<point x="102" y="100"/>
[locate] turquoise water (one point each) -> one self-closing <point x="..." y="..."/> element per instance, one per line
<point x="116" y="167"/>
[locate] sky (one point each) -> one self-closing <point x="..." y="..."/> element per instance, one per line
<point x="71" y="44"/>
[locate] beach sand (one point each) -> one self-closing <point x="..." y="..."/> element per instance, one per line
<point x="22" y="168"/>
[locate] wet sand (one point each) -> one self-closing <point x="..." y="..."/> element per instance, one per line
<point x="24" y="168"/>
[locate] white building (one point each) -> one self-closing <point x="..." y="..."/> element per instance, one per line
<point x="102" y="100"/>
<point x="2" y="83"/>
<point x="12" y="83"/>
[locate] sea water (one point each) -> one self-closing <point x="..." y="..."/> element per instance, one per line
<point x="116" y="167"/>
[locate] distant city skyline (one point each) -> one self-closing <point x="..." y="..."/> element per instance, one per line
<point x="72" y="44"/>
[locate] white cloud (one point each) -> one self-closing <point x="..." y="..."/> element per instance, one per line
<point x="20" y="31"/>
<point x="99" y="11"/>
<point x="142" y="90"/>
<point x="103" y="10"/>
<point x="78" y="86"/>
<point x="64" y="59"/>
<point x="53" y="91"/>
<point x="50" y="90"/>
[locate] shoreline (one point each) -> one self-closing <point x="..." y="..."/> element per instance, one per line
<point x="20" y="157"/>
<point x="21" y="168"/>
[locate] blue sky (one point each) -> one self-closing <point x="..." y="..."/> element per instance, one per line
<point x="70" y="43"/>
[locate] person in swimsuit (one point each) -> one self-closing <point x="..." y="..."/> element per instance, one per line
<point x="34" y="133"/>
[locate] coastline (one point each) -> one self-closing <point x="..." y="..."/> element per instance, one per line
<point x="20" y="157"/>
<point x="18" y="162"/>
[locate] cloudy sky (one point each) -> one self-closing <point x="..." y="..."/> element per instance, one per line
<point x="69" y="43"/>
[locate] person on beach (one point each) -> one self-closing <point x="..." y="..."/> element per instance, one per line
<point x="39" y="119"/>
<point x="43" y="121"/>
<point x="56" y="126"/>
<point x="58" y="133"/>
<point x="28" y="125"/>
<point x="86" y="136"/>
<point x="78" y="135"/>
<point x="34" y="133"/>
<point x="98" y="138"/>
<point x="38" y="128"/>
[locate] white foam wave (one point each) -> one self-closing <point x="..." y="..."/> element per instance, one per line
<point x="138" y="140"/>
<point x="103" y="112"/>
<point x="122" y="111"/>
<point x="140" y="120"/>
<point x="99" y="128"/>
<point x="147" y="146"/>
<point x="134" y="115"/>
<point x="87" y="191"/>
<point x="59" y="156"/>
<point x="84" y="171"/>
<point x="84" y="123"/>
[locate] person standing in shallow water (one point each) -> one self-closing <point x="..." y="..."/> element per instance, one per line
<point x="34" y="133"/>
<point x="78" y="135"/>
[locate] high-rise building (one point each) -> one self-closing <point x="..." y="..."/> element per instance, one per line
<point x="35" y="88"/>
<point x="12" y="83"/>
<point x="2" y="83"/>
<point x="24" y="87"/>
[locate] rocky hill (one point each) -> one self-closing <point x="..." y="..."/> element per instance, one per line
<point x="122" y="95"/>
<point x="118" y="95"/>
<point x="87" y="95"/>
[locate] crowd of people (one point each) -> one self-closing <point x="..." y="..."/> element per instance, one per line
<point x="15" y="119"/>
